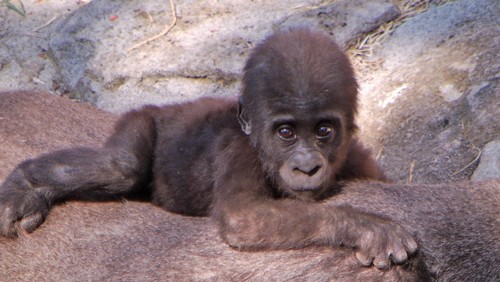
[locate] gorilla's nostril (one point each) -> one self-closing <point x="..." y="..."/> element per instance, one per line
<point x="309" y="172"/>
<point x="314" y="170"/>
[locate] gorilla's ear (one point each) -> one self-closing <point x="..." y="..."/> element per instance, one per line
<point x="243" y="119"/>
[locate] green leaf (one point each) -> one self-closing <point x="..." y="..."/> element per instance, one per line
<point x="16" y="6"/>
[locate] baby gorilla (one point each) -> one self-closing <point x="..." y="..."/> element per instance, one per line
<point x="260" y="166"/>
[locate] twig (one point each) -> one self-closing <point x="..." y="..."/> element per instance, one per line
<point x="39" y="81"/>
<point x="410" y="177"/>
<point x="471" y="163"/>
<point x="150" y="18"/>
<point x="33" y="35"/>
<point x="363" y="49"/>
<point x="46" y="24"/>
<point x="379" y="154"/>
<point x="165" y="31"/>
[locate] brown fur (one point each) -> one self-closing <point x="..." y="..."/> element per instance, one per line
<point x="140" y="242"/>
<point x="457" y="225"/>
<point x="132" y="240"/>
<point x="54" y="123"/>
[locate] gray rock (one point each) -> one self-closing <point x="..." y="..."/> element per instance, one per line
<point x="201" y="56"/>
<point x="346" y="20"/>
<point x="436" y="96"/>
<point x="489" y="164"/>
<point x="433" y="28"/>
<point x="425" y="111"/>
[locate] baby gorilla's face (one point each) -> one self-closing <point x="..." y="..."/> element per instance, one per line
<point x="302" y="149"/>
<point x="298" y="105"/>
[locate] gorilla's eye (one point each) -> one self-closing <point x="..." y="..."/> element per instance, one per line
<point x="286" y="132"/>
<point x="324" y="131"/>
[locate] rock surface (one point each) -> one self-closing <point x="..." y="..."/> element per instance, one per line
<point x="203" y="54"/>
<point x="489" y="165"/>
<point x="427" y="111"/>
<point x="436" y="98"/>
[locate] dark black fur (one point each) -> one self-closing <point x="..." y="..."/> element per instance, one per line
<point x="260" y="167"/>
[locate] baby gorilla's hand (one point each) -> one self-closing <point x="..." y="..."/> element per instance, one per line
<point x="379" y="241"/>
<point x="20" y="210"/>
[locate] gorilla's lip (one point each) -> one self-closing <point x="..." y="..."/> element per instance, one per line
<point x="304" y="185"/>
<point x="305" y="188"/>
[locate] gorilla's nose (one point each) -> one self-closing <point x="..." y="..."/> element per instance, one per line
<point x="310" y="170"/>
<point x="306" y="170"/>
<point x="308" y="163"/>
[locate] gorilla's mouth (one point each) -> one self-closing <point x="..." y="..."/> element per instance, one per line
<point x="300" y="181"/>
<point x="310" y="173"/>
<point x="305" y="188"/>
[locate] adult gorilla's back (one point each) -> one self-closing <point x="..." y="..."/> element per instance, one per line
<point x="140" y="242"/>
